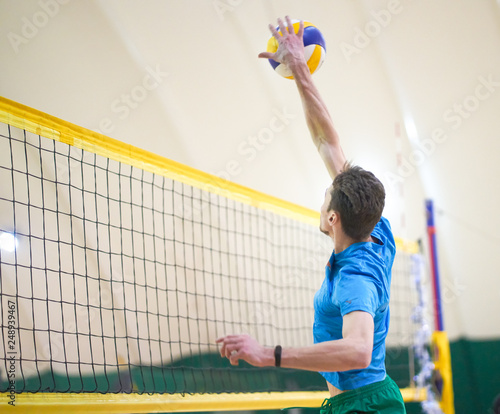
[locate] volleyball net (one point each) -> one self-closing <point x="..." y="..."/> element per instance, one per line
<point x="119" y="269"/>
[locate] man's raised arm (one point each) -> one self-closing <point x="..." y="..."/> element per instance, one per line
<point x="291" y="52"/>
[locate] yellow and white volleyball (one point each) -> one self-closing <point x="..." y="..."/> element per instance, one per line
<point x="314" y="49"/>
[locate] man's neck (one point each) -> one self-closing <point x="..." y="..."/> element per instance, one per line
<point x="342" y="242"/>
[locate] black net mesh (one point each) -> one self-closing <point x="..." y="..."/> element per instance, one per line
<point x="122" y="279"/>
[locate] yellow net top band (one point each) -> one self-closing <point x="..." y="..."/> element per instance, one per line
<point x="48" y="126"/>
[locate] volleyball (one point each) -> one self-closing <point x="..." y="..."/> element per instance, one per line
<point x="314" y="49"/>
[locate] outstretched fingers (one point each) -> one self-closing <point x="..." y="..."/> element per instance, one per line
<point x="274" y="32"/>
<point x="277" y="36"/>
<point x="283" y="28"/>
<point x="266" y="55"/>
<point x="300" y="33"/>
<point x="291" y="29"/>
<point x="289" y="24"/>
<point x="283" y="36"/>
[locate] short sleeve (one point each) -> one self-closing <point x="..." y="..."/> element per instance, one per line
<point x="383" y="232"/>
<point x="357" y="292"/>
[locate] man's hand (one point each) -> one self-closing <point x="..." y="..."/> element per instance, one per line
<point x="290" y="44"/>
<point x="291" y="53"/>
<point x="236" y="347"/>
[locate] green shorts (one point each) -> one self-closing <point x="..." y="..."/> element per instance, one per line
<point x="379" y="397"/>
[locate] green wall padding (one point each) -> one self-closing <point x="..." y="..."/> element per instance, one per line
<point x="476" y="375"/>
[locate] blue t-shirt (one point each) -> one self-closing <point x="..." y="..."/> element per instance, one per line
<point x="357" y="279"/>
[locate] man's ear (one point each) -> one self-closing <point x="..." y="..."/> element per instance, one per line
<point x="333" y="217"/>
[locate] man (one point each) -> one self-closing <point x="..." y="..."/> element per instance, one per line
<point x="352" y="305"/>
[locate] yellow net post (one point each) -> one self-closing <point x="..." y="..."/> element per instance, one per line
<point x="442" y="363"/>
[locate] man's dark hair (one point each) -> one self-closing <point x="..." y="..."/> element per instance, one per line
<point x="358" y="197"/>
